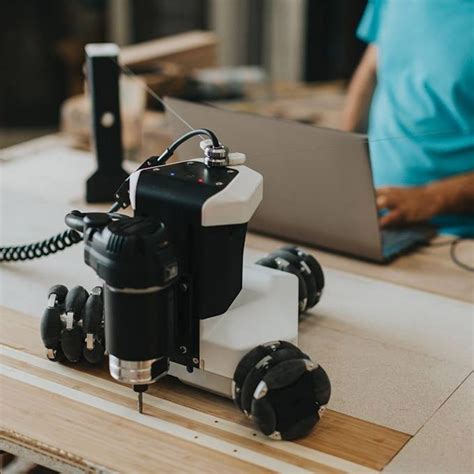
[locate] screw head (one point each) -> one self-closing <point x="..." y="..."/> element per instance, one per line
<point x="107" y="119"/>
<point x="195" y="360"/>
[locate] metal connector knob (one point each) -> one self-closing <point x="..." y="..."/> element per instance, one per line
<point x="217" y="156"/>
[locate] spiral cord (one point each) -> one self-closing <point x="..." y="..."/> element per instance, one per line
<point x="40" y="249"/>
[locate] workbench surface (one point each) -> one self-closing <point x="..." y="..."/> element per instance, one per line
<point x="396" y="341"/>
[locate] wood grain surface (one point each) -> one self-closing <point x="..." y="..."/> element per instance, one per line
<point x="69" y="413"/>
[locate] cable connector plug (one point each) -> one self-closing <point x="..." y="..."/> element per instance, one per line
<point x="218" y="153"/>
<point x="236" y="158"/>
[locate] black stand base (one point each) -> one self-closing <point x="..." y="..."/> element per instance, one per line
<point x="101" y="186"/>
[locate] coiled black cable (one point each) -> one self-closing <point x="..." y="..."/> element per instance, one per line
<point x="70" y="237"/>
<point x="40" y="249"/>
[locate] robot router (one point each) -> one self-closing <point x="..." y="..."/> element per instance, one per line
<point x="176" y="297"/>
<point x="178" y="300"/>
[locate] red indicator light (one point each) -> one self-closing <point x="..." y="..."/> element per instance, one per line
<point x="200" y="180"/>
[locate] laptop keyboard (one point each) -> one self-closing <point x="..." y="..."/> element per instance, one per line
<point x="397" y="241"/>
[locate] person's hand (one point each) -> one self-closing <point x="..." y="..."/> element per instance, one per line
<point x="406" y="205"/>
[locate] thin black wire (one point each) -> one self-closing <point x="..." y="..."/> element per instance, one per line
<point x="453" y="243"/>
<point x="454" y="257"/>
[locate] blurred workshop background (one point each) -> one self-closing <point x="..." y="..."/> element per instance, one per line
<point x="282" y="58"/>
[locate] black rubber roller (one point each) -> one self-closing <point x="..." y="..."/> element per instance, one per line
<point x="51" y="327"/>
<point x="315" y="268"/>
<point x="72" y="343"/>
<point x="93" y="312"/>
<point x="249" y="361"/>
<point x="290" y="398"/>
<point x="60" y="291"/>
<point x="96" y="355"/>
<point x="92" y="325"/>
<point x="75" y="301"/>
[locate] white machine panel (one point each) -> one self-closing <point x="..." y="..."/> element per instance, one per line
<point x="266" y="310"/>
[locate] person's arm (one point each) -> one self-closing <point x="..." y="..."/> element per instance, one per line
<point x="407" y="205"/>
<point x="360" y="92"/>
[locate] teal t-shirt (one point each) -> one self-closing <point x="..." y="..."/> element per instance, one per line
<point x="421" y="125"/>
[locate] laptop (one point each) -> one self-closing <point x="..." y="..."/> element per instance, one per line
<point x="317" y="187"/>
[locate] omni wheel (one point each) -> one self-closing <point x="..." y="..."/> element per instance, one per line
<point x="72" y="326"/>
<point x="261" y="368"/>
<point x="250" y="361"/>
<point x="281" y="390"/>
<point x="290" y="399"/>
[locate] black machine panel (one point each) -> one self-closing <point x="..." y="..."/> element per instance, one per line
<point x="211" y="257"/>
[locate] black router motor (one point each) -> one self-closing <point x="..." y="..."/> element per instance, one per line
<point x="139" y="266"/>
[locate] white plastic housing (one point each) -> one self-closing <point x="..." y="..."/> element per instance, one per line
<point x="266" y="310"/>
<point x="237" y="202"/>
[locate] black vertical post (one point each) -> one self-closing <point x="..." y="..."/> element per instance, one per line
<point x="103" y="74"/>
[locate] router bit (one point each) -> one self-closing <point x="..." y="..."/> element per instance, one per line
<point x="140" y="402"/>
<point x="140" y="389"/>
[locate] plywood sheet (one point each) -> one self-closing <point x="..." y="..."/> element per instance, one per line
<point x="378" y="340"/>
<point x="446" y="443"/>
<point x="393" y="314"/>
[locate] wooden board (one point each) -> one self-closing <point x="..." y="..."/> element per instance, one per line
<point x="77" y="415"/>
<point x="193" y="49"/>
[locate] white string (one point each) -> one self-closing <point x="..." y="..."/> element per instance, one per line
<point x="155" y="96"/>
<point x="150" y="91"/>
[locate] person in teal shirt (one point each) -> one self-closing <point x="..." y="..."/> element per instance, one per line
<point x="416" y="81"/>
